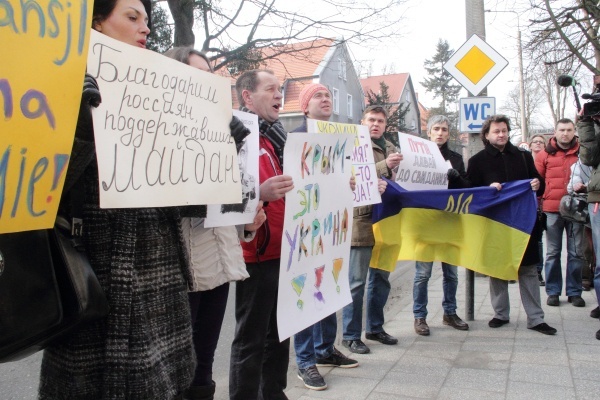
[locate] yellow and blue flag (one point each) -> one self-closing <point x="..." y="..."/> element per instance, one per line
<point x="481" y="229"/>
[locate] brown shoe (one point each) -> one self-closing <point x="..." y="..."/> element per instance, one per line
<point x="421" y="327"/>
<point x="455" y="322"/>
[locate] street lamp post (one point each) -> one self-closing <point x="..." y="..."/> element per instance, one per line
<point x="524" y="128"/>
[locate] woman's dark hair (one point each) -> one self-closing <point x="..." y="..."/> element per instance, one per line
<point x="485" y="129"/>
<point x="182" y="54"/>
<point x="103" y="9"/>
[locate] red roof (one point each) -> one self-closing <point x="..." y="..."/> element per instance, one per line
<point x="424" y="117"/>
<point x="395" y="82"/>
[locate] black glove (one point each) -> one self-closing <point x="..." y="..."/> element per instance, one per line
<point x="238" y="132"/>
<point x="453" y="174"/>
<point x="89" y="98"/>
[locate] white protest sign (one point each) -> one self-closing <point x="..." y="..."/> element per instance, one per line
<point x="162" y="130"/>
<point x="317" y="230"/>
<point x="363" y="161"/>
<point x="244" y="212"/>
<point x="423" y="166"/>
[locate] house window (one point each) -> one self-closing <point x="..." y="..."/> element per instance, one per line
<point x="349" y="106"/>
<point x="407" y="97"/>
<point x="342" y="69"/>
<point x="336" y="101"/>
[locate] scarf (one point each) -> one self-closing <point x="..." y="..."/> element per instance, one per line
<point x="380" y="142"/>
<point x="274" y="132"/>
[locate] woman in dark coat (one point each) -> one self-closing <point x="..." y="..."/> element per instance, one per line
<point x="499" y="162"/>
<point x="143" y="348"/>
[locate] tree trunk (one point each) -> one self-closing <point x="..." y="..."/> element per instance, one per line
<point x="183" y="16"/>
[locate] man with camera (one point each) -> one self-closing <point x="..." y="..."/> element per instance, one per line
<point x="554" y="165"/>
<point x="588" y="126"/>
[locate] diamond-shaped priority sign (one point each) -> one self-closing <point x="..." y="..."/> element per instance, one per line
<point x="475" y="65"/>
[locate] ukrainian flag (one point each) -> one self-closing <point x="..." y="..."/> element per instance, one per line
<point x="481" y="229"/>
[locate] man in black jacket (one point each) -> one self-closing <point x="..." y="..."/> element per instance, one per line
<point x="500" y="161"/>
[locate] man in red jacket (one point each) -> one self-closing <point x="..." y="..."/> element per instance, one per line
<point x="554" y="165"/>
<point x="259" y="362"/>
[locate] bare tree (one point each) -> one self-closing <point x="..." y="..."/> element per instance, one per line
<point x="534" y="98"/>
<point x="236" y="31"/>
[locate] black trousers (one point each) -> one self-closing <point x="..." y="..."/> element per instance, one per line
<point x="259" y="362"/>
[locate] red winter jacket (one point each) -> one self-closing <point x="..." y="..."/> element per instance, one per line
<point x="554" y="165"/>
<point x="267" y="242"/>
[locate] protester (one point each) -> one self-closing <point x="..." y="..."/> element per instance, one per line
<point x="363" y="240"/>
<point x="259" y="361"/>
<point x="500" y="161"/>
<point x="554" y="163"/>
<point x="315" y="344"/>
<point x="143" y="348"/>
<point x="537" y="144"/>
<point x="589" y="134"/>
<point x="438" y="131"/>
<point x="215" y="257"/>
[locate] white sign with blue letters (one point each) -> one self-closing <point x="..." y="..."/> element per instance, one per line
<point x="475" y="110"/>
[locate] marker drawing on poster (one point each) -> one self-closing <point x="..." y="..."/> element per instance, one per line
<point x="244" y="212"/>
<point x="423" y="166"/>
<point x="363" y="161"/>
<point x="162" y="131"/>
<point x="317" y="231"/>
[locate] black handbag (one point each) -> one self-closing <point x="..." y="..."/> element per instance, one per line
<point x="47" y="289"/>
<point x="574" y="208"/>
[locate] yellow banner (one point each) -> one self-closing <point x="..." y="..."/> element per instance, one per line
<point x="44" y="45"/>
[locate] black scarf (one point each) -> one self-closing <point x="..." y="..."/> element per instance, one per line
<point x="274" y="132"/>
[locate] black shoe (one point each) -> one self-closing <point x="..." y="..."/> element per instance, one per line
<point x="598" y="335"/>
<point x="595" y="313"/>
<point x="577" y="301"/>
<point x="381" y="337"/>
<point x="200" y="392"/>
<point x="312" y="378"/>
<point x="544" y="328"/>
<point x="497" y="323"/>
<point x="337" y="359"/>
<point x="541" y="279"/>
<point x="356" y="346"/>
<point x="454" y="321"/>
<point x="553" y="300"/>
<point x="421" y="327"/>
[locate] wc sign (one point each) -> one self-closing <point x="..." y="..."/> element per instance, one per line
<point x="475" y="110"/>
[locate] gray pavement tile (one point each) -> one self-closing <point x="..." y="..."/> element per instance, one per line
<point x="451" y="393"/>
<point x="344" y="387"/>
<point x="483" y="344"/>
<point x="587" y="389"/>
<point x="581" y="352"/>
<point x="556" y="375"/>
<point x="415" y="385"/>
<point x="387" y="396"/>
<point x="370" y="368"/>
<point x="380" y="352"/>
<point x="422" y="347"/>
<point x="528" y="391"/>
<point x="481" y="360"/>
<point x="481" y="329"/>
<point x="584" y="370"/>
<point x="539" y="355"/>
<point x="412" y="364"/>
<point x="536" y="339"/>
<point x="478" y="379"/>
<point x="585" y="337"/>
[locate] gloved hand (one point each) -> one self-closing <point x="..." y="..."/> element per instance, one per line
<point x="453" y="174"/>
<point x="89" y="98"/>
<point x="238" y="132"/>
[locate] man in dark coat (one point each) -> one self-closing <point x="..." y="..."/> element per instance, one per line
<point x="500" y="161"/>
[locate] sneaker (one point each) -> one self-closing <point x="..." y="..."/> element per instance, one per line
<point x="595" y="313"/>
<point x="577" y="301"/>
<point x="544" y="328"/>
<point x="497" y="323"/>
<point x="381" y="337"/>
<point x="421" y="327"/>
<point x="356" y="346"/>
<point x="541" y="279"/>
<point x="312" y="378"/>
<point x="337" y="359"/>
<point x="553" y="300"/>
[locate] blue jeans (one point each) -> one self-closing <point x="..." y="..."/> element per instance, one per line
<point x="377" y="294"/>
<point x="450" y="284"/>
<point x="554" y="234"/>
<point x="595" y="223"/>
<point x="316" y="341"/>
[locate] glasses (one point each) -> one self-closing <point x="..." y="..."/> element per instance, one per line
<point x="537" y="142"/>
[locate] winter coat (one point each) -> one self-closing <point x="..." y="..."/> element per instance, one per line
<point x="491" y="165"/>
<point x="362" y="228"/>
<point x="579" y="174"/>
<point x="554" y="166"/>
<point x="589" y="138"/>
<point x="458" y="164"/>
<point x="266" y="245"/>
<point x="215" y="254"/>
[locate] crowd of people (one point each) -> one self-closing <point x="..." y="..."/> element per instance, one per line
<point x="166" y="276"/>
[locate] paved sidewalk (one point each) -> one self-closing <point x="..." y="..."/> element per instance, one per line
<point x="510" y="362"/>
